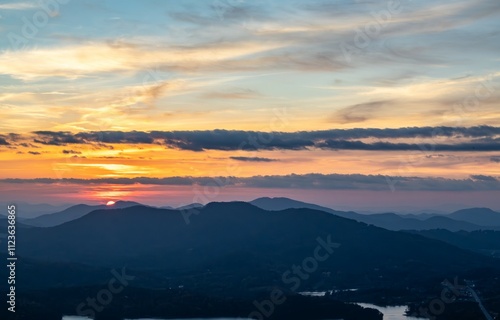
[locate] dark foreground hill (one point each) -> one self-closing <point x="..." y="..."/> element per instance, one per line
<point x="249" y="246"/>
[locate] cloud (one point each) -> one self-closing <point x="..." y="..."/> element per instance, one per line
<point x="229" y="140"/>
<point x="74" y="62"/>
<point x="359" y="112"/>
<point x="253" y="159"/>
<point x="18" y="6"/>
<point x="387" y="146"/>
<point x="234" y="94"/>
<point x="481" y="177"/>
<point x="295" y="181"/>
<point x="495" y="159"/>
<point x="3" y="142"/>
<point x="71" y="152"/>
<point x="56" y="138"/>
<point x="480" y="138"/>
<point x="34" y="152"/>
<point x="116" y="137"/>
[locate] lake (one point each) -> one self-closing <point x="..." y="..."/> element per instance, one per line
<point x="390" y="313"/>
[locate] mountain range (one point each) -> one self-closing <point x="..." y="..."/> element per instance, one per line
<point x="226" y="255"/>
<point x="463" y="220"/>
<point x="241" y="239"/>
<point x="467" y="219"/>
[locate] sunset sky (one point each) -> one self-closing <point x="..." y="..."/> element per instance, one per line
<point x="372" y="105"/>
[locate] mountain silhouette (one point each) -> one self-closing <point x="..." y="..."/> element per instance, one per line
<point x="72" y="213"/>
<point x="479" y="216"/>
<point x="238" y="238"/>
<point x="390" y="221"/>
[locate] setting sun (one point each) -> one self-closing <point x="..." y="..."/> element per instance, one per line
<point x="110" y="203"/>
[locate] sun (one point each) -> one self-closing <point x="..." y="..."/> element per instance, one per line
<point x="110" y="203"/>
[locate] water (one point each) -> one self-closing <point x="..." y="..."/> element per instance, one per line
<point x="390" y="313"/>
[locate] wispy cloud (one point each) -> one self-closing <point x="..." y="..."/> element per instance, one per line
<point x="233" y="94"/>
<point x="18" y="5"/>
<point x="90" y="59"/>
<point x="359" y="112"/>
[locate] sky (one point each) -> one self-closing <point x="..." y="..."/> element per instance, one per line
<point x="366" y="105"/>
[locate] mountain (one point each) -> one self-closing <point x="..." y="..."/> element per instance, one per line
<point x="479" y="216"/>
<point x="423" y="215"/>
<point x="191" y="206"/>
<point x="186" y="207"/>
<point x="29" y="210"/>
<point x="485" y="241"/>
<point x="4" y="223"/>
<point x="390" y="221"/>
<point x="240" y="245"/>
<point x="72" y="213"/>
<point x="280" y="203"/>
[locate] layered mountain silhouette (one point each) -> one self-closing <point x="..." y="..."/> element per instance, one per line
<point x="247" y="242"/>
<point x="467" y="220"/>
<point x="29" y="210"/>
<point x="72" y="213"/>
<point x="479" y="216"/>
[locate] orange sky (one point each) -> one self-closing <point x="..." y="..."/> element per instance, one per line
<point x="266" y="67"/>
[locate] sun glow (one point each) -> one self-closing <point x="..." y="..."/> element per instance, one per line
<point x="110" y="203"/>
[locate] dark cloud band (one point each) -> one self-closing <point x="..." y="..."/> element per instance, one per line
<point x="295" y="181"/>
<point x="253" y="159"/>
<point x="480" y="138"/>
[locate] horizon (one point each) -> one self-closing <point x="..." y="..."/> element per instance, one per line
<point x="61" y="207"/>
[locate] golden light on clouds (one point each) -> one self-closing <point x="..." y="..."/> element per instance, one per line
<point x="272" y="69"/>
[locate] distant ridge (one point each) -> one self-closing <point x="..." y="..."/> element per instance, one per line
<point x="479" y="216"/>
<point x="191" y="206"/>
<point x="466" y="220"/>
<point x="72" y="213"/>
